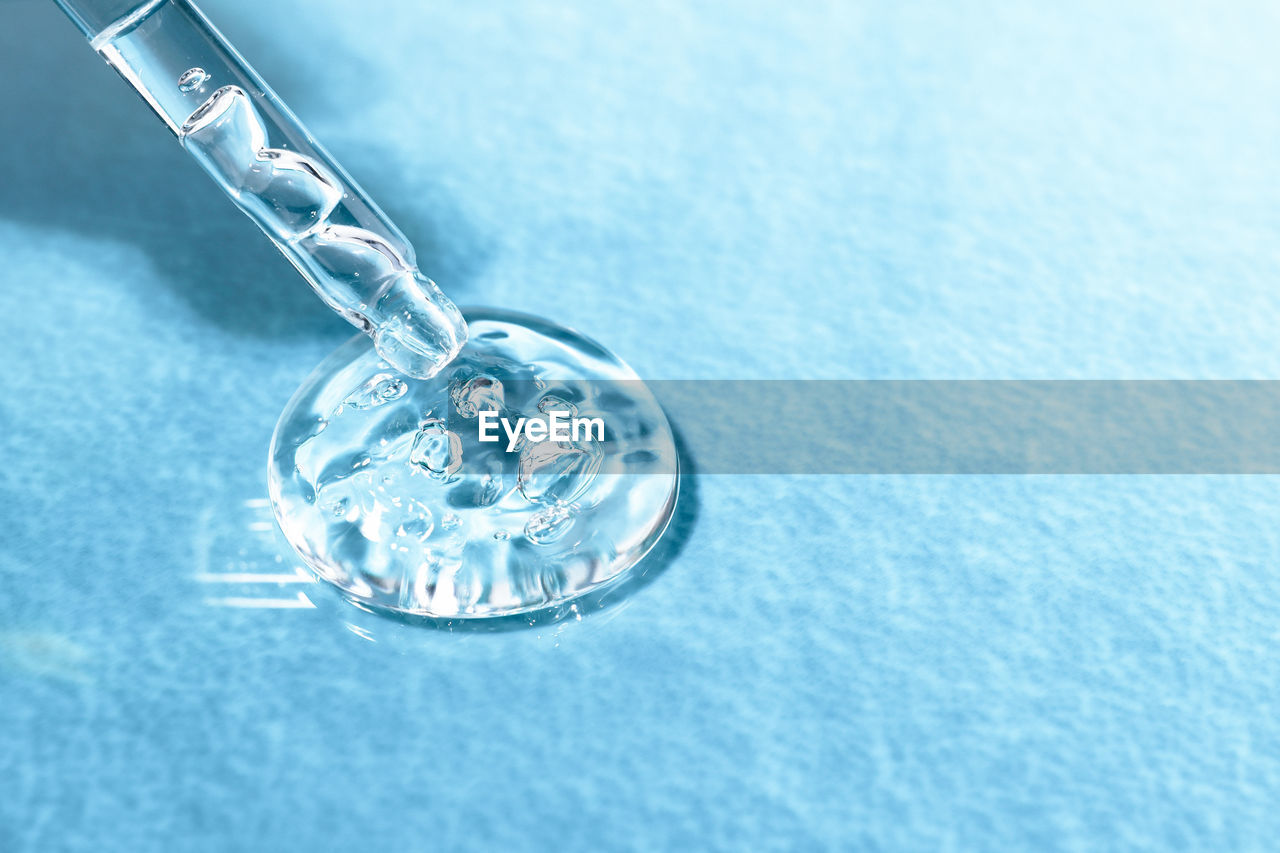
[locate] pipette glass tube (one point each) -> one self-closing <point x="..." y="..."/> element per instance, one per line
<point x="243" y="135"/>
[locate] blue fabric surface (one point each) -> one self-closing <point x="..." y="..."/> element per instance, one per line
<point x="727" y="190"/>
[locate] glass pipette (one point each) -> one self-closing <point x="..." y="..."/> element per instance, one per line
<point x="245" y="137"/>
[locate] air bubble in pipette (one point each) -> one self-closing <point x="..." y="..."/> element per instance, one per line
<point x="192" y="79"/>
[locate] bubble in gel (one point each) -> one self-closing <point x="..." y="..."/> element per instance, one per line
<point x="501" y="535"/>
<point x="549" y="524"/>
<point x="487" y="483"/>
<point x="436" y="449"/>
<point x="381" y="389"/>
<point x="551" y="403"/>
<point x="192" y="79"/>
<point x="477" y="394"/>
<point x="419" y="521"/>
<point x="552" y="472"/>
<point x="338" y="508"/>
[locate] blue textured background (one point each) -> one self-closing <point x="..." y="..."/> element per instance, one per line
<point x="720" y="189"/>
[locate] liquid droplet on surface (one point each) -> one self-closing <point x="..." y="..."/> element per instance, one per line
<point x="192" y="79"/>
<point x="415" y="534"/>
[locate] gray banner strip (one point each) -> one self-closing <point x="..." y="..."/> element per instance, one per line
<point x="976" y="427"/>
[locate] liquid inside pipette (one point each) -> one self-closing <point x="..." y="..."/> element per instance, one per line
<point x="270" y="166"/>
<point x="298" y="203"/>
